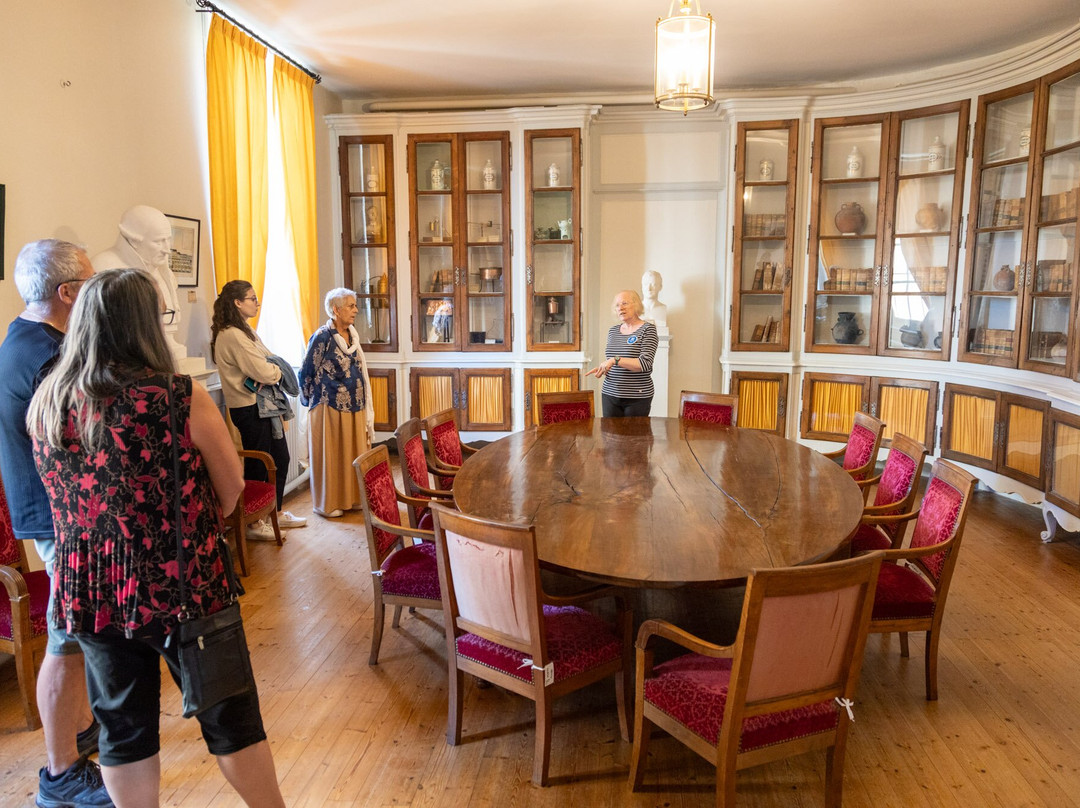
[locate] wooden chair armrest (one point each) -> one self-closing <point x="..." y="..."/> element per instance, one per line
<point x="265" y="458"/>
<point x="870" y="517"/>
<point x="869" y="482"/>
<point x="466" y="449"/>
<point x="434" y="467"/>
<point x="584" y="596"/>
<point x="835" y="454"/>
<point x="664" y="629"/>
<point x="14" y="583"/>
<point x="445" y="469"/>
<point x="416" y="502"/>
<point x="434" y="493"/>
<point x="402" y="530"/>
<point x="916" y="552"/>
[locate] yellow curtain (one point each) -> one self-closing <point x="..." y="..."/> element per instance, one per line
<point x="236" y="123"/>
<point x="548" y="384"/>
<point x="485" y="400"/>
<point x="436" y="394"/>
<point x="758" y="404"/>
<point x="1066" y="477"/>
<point x="380" y="398"/>
<point x="903" y="409"/>
<point x="1024" y="448"/>
<point x="295" y="107"/>
<point x="833" y="406"/>
<point x="972" y="426"/>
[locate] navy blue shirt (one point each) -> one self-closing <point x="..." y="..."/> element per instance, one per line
<point x="26" y="356"/>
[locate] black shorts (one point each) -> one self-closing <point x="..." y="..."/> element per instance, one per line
<point x="123" y="680"/>
<point x="615" y="407"/>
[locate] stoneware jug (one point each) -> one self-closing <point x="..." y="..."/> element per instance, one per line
<point x="846" y="331"/>
<point x="850" y="219"/>
<point x="930" y="216"/>
<point x="1005" y="279"/>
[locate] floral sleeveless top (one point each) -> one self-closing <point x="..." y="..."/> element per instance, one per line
<point x="114" y="515"/>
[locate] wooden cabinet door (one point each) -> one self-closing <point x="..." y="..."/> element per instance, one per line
<point x="1024" y="436"/>
<point x="1063" y="462"/>
<point x="384" y="397"/>
<point x="762" y="400"/>
<point x="485" y="399"/>
<point x="434" y="390"/>
<point x="830" y="402"/>
<point x="906" y="406"/>
<point x="970" y="430"/>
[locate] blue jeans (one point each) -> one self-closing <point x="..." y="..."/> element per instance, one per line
<point x="60" y="643"/>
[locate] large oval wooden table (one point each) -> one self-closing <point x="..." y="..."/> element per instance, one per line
<point x="657" y="504"/>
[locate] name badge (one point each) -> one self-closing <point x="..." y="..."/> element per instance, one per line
<point x="631" y="340"/>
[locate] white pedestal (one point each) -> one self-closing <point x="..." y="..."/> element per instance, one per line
<point x="661" y="364"/>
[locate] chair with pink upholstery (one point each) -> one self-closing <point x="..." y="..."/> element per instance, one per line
<point x="569" y="405"/>
<point x="502" y="627"/>
<point x="897" y="487"/>
<point x="709" y="408"/>
<point x="403" y="573"/>
<point x="415" y="470"/>
<point x="911" y="596"/>
<point x="257" y="501"/>
<point x="23" y="613"/>
<point x="860" y="454"/>
<point x="785" y="687"/>
<point x="445" y="446"/>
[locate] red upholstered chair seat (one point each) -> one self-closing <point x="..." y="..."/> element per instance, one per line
<point x="257" y="495"/>
<point x="568" y="411"/>
<point x="577" y="641"/>
<point x="693" y="690"/>
<point x="707" y="413"/>
<point x="902" y="593"/>
<point x="412" y="572"/>
<point x="867" y="538"/>
<point x="37" y="583"/>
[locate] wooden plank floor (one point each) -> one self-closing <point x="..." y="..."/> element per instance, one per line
<point x="1006" y="731"/>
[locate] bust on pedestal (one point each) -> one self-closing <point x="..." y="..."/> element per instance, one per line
<point x="144" y="243"/>
<point x="656" y="313"/>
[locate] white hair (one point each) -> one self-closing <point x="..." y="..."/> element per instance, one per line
<point x="335" y="297"/>
<point x="43" y="265"/>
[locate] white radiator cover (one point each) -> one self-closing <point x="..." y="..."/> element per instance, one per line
<point x="296" y="432"/>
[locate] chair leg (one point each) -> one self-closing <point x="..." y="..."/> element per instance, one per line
<point x="931" y="665"/>
<point x="904" y="644"/>
<point x="26" y="673"/>
<point x="397" y="617"/>
<point x="542" y="755"/>
<point x="240" y="534"/>
<point x="834" y="773"/>
<point x="454" y="697"/>
<point x="376" y="633"/>
<point x="643" y="728"/>
<point x="725" y="786"/>
<point x="277" y="530"/>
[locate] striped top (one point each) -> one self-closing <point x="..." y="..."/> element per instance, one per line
<point x="641" y="345"/>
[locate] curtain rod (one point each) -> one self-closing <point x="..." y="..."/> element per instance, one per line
<point x="206" y="5"/>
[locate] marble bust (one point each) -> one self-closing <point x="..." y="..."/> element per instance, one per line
<point x="655" y="311"/>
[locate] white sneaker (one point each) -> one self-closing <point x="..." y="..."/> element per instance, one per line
<point x="261" y="531"/>
<point x="285" y="520"/>
<point x="334" y="514"/>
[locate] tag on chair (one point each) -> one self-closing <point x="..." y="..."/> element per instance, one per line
<point x="847" y="704"/>
<point x="548" y="669"/>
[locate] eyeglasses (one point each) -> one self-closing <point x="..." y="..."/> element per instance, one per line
<point x="253" y="299"/>
<point x="168" y="316"/>
<point x="73" y="280"/>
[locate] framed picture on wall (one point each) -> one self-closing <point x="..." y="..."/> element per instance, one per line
<point x="184" y="256"/>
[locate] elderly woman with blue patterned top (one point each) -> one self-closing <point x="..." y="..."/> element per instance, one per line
<point x="334" y="385"/>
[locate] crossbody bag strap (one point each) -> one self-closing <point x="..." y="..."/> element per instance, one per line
<point x="178" y="518"/>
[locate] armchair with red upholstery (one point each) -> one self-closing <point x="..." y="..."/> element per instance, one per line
<point x="445" y="446"/>
<point x="897" y="487"/>
<point x="860" y="453"/>
<point x="785" y="687"/>
<point x="257" y="501"/>
<point x="23" y="613"/>
<point x="911" y="593"/>
<point x="415" y="470"/>
<point x="404" y="573"/>
<point x="709" y="408"/>
<point x="567" y="405"/>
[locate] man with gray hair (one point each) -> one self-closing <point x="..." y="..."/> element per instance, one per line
<point x="48" y="275"/>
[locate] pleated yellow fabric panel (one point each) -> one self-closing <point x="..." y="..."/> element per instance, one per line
<point x="833" y="406"/>
<point x="436" y="393"/>
<point x="972" y="426"/>
<point x="295" y="105"/>
<point x="485" y="400"/>
<point x="1066" y="471"/>
<point x="903" y="409"/>
<point x="758" y="403"/>
<point x="1023" y="449"/>
<point x="548" y="384"/>
<point x="236" y="136"/>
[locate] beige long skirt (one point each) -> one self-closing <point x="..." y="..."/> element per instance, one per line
<point x="335" y="439"/>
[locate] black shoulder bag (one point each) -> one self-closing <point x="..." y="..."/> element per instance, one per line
<point x="213" y="651"/>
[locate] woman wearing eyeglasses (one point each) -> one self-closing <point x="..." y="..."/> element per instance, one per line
<point x="241" y="356"/>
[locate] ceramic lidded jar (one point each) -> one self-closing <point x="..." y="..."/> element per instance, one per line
<point x="854" y="163"/>
<point x="930" y="216"/>
<point x="850" y="219"/>
<point x="935" y="155"/>
<point x="846" y="330"/>
<point x="437" y="176"/>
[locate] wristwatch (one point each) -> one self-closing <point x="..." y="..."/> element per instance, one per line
<point x="617" y="358"/>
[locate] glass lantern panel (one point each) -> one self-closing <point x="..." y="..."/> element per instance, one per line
<point x="767" y="155"/>
<point x="1008" y="129"/>
<point x="1002" y="196"/>
<point x="762" y="268"/>
<point x="433" y="167"/>
<point x="366" y="161"/>
<point x="851" y="152"/>
<point x="552" y="162"/>
<point x="928" y="144"/>
<point x="553" y="268"/>
<point x="842" y="320"/>
<point x="483" y="165"/>
<point x="841" y="206"/>
<point x="765" y="212"/>
<point x="846" y="265"/>
<point x="1063" y="113"/>
<point x="924" y="204"/>
<point x="368" y="219"/>
<point x="1060" y="180"/>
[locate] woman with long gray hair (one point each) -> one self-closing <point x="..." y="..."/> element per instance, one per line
<point x="104" y="443"/>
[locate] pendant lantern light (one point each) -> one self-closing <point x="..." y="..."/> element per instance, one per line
<point x="685" y="58"/>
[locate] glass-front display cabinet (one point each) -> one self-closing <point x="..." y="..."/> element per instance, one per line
<point x="459" y="241"/>
<point x="553" y="241"/>
<point x="367" y="234"/>
<point x="764" y="243"/>
<point x="1020" y="308"/>
<point x="884" y="231"/>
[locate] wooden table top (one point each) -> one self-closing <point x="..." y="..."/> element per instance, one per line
<point x="652" y="502"/>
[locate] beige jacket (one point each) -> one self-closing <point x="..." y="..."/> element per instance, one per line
<point x="239" y="358"/>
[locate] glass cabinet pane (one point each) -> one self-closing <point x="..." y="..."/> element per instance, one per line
<point x="924" y="204"/>
<point x="433" y="167"/>
<point x="766" y="156"/>
<point x="486" y="320"/>
<point x="928" y="144"/>
<point x="1060" y="180"/>
<point x="483" y="165"/>
<point x="1002" y="201"/>
<point x="549" y="318"/>
<point x="851" y="152"/>
<point x="552" y="164"/>
<point x="368" y="220"/>
<point x="1008" y="129"/>
<point x="553" y="216"/>
<point x="438" y="324"/>
<point x="842" y="320"/>
<point x="366" y="168"/>
<point x="1063" y="113"/>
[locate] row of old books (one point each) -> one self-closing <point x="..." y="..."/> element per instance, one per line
<point x="1042" y="342"/>
<point x="1007" y="212"/>
<point x="843" y="279"/>
<point x="997" y="341"/>
<point x="763" y="225"/>
<point x="768" y="275"/>
<point x="929" y="279"/>
<point x="1052" y="276"/>
<point x="1058" y="206"/>
<point x="769" y="331"/>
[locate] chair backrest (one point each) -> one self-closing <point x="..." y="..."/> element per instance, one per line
<point x="941" y="520"/>
<point x="379" y="499"/>
<point x="863" y="444"/>
<point x="413" y="458"/>
<point x="801" y="637"/>
<point x="712" y="408"/>
<point x="11" y="551"/>
<point x="569" y="405"/>
<point x="490" y="580"/>
<point x="443" y="438"/>
<point x="899" y="484"/>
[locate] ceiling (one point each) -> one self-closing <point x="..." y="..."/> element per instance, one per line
<point x="383" y="49"/>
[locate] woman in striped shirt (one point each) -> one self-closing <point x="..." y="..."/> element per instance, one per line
<point x="631" y="346"/>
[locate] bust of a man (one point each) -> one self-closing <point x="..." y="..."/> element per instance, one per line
<point x="144" y="243"/>
<point x="655" y="311"/>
